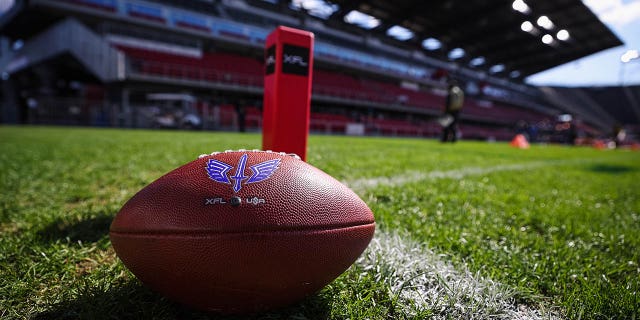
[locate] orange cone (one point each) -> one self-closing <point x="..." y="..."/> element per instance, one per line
<point x="599" y="144"/>
<point x="520" y="141"/>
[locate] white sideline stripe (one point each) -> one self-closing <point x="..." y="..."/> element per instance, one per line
<point x="360" y="185"/>
<point x="422" y="281"/>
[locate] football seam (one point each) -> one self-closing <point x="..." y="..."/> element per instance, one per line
<point x="205" y="233"/>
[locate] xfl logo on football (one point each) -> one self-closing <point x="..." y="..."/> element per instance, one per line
<point x="220" y="172"/>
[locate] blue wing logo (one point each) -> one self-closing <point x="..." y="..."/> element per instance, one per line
<point x="219" y="171"/>
<point x="262" y="171"/>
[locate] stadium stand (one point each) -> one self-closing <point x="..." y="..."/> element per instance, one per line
<point x="328" y="123"/>
<point x="111" y="54"/>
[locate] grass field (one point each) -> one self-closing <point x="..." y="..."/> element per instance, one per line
<point x="472" y="230"/>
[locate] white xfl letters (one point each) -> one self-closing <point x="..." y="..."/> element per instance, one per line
<point x="291" y="59"/>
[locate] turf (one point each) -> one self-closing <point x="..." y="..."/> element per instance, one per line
<point x="555" y="225"/>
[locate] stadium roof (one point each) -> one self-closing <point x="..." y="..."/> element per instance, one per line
<point x="504" y="37"/>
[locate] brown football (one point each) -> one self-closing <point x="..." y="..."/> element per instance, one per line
<point x="241" y="231"/>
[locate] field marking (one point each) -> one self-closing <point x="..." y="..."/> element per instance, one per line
<point x="360" y="185"/>
<point x="422" y="280"/>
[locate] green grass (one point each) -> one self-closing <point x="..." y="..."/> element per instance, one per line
<point x="561" y="231"/>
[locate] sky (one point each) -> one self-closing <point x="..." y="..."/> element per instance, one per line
<point x="604" y="68"/>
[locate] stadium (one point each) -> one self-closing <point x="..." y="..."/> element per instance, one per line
<point x="101" y="97"/>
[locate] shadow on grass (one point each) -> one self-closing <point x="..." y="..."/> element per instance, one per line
<point x="611" y="169"/>
<point x="132" y="300"/>
<point x="90" y="229"/>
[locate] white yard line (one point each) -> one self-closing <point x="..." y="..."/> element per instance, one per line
<point x="360" y="185"/>
<point x="425" y="280"/>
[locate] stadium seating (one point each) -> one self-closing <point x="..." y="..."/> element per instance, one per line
<point x="224" y="67"/>
<point x="495" y="112"/>
<point x="213" y="67"/>
<point x="253" y="118"/>
<point x="227" y="116"/>
<point x="235" y="69"/>
<point x="328" y="123"/>
<point x="394" y="127"/>
<point x="335" y="123"/>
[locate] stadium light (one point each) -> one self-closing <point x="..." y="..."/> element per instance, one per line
<point x="629" y="55"/>
<point x="477" y="61"/>
<point x="520" y="6"/>
<point x="565" y="118"/>
<point x="514" y="74"/>
<point x="431" y="44"/>
<point x="547" y="39"/>
<point x="562" y="35"/>
<point x="400" y="33"/>
<point x="316" y="8"/>
<point x="624" y="59"/>
<point x="545" y="22"/>
<point x="526" y="26"/>
<point x="496" y="68"/>
<point x="362" y="20"/>
<point x="456" y="53"/>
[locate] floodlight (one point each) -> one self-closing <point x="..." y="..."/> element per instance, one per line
<point x="496" y="68"/>
<point x="477" y="61"/>
<point x="400" y="33"/>
<point x="362" y="20"/>
<point x="520" y="6"/>
<point x="545" y="22"/>
<point x="316" y="8"/>
<point x="563" y="35"/>
<point x="629" y="55"/>
<point x="526" y="26"/>
<point x="456" y="53"/>
<point x="431" y="44"/>
<point x="565" y="118"/>
<point x="547" y="39"/>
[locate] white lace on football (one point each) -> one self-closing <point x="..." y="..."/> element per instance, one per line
<point x="253" y="150"/>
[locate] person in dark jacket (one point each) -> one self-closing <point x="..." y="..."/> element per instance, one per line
<point x="453" y="105"/>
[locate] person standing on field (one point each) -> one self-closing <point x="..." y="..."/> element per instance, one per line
<point x="453" y="105"/>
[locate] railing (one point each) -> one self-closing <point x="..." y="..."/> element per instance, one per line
<point x="191" y="73"/>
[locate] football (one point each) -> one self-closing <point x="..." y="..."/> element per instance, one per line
<point x="241" y="231"/>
